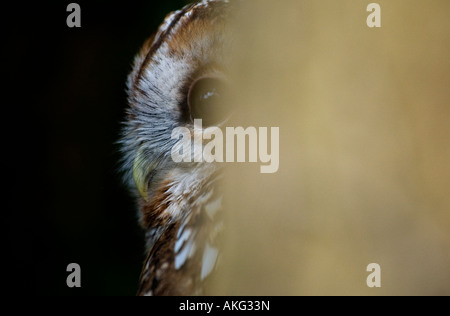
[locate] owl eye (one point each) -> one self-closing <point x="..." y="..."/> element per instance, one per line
<point x="206" y="100"/>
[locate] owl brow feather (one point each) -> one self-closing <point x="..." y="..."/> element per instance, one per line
<point x="161" y="39"/>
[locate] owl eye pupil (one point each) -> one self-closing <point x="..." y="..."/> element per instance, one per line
<point x="206" y="101"/>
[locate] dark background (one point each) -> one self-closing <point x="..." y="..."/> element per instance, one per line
<point x="64" y="101"/>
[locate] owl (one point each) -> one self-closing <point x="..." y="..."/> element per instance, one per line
<point x="179" y="76"/>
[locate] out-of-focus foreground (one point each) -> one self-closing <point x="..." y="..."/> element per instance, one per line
<point x="364" y="150"/>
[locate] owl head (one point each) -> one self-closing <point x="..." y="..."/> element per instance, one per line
<point x="179" y="75"/>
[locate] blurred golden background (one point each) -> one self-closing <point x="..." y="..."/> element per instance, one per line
<point x="364" y="150"/>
